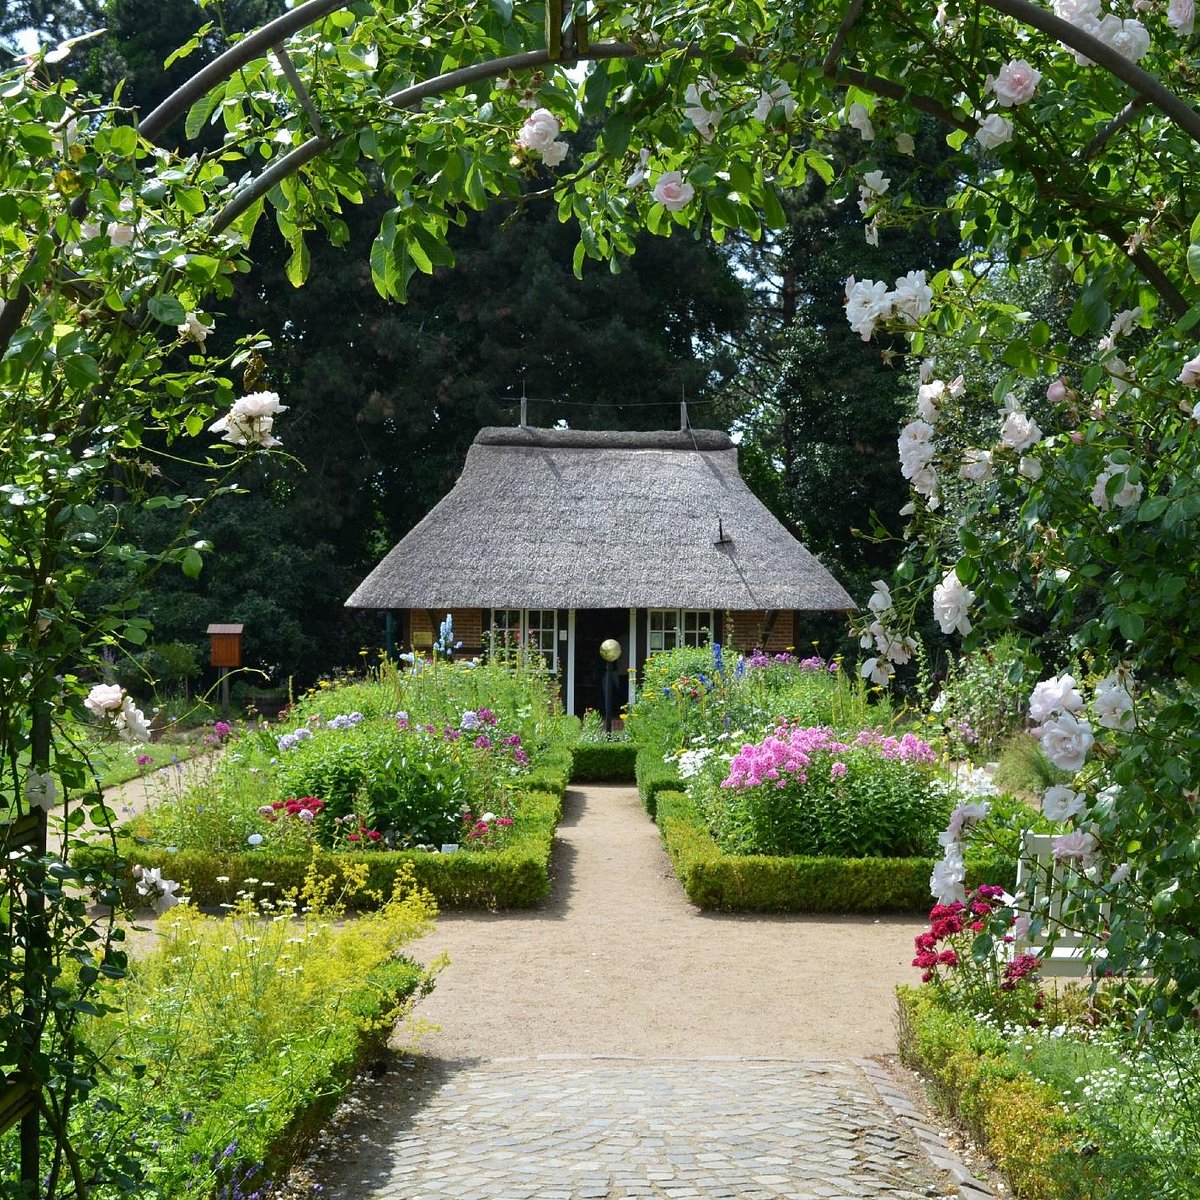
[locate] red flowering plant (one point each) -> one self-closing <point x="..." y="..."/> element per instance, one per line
<point x="351" y="832"/>
<point x="291" y="823"/>
<point x="486" y="831"/>
<point x="961" y="955"/>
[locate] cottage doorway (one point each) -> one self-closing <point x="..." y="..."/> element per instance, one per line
<point x="592" y="626"/>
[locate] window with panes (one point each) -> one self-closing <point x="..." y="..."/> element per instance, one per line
<point x="532" y="628"/>
<point x="669" y="628"/>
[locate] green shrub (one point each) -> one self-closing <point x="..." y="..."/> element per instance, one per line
<point x="1023" y="767"/>
<point x="982" y="701"/>
<point x="601" y="761"/>
<point x="766" y="883"/>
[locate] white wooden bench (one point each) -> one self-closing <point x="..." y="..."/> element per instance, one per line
<point x="1043" y="888"/>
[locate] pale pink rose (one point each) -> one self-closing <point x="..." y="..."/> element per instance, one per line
<point x="1020" y="432"/>
<point x="1190" y="375"/>
<point x="1066" y="741"/>
<point x="1057" y="392"/>
<point x="1121" y="873"/>
<point x="994" y="130"/>
<point x="540" y="129"/>
<point x="672" y="191"/>
<point x="1016" y="83"/>
<point x="951" y="601"/>
<point x="554" y="153"/>
<point x="1020" y="926"/>
<point x="104" y="698"/>
<point x="1074" y="845"/>
<point x="1030" y="467"/>
<point x="1181" y="16"/>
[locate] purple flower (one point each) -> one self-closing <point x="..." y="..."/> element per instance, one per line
<point x="221" y="729"/>
<point x="482" y="742"/>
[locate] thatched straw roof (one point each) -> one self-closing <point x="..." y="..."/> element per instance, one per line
<point x="549" y="518"/>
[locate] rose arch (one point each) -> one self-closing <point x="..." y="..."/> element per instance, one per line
<point x="1073" y="130"/>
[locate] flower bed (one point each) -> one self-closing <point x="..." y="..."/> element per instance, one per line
<point x="467" y="793"/>
<point x="232" y="1043"/>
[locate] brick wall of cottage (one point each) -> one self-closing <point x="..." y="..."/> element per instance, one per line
<point x="774" y="632"/>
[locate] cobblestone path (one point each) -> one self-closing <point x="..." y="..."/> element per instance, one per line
<point x="617" y="1043"/>
<point x="588" y="1129"/>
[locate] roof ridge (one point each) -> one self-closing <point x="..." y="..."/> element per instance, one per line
<point x="605" y="439"/>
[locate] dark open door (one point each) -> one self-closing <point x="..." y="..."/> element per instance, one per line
<point x="592" y="626"/>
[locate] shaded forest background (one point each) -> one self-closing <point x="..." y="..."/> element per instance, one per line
<point x="384" y="400"/>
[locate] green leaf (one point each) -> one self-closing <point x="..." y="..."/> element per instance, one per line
<point x="298" y="262"/>
<point x="956" y="139"/>
<point x="417" y="253"/>
<point x="192" y="563"/>
<point x="1152" y="508"/>
<point x="1193" y="260"/>
<point x="1130" y="624"/>
<point x="81" y="370"/>
<point x="772" y="210"/>
<point x="167" y="309"/>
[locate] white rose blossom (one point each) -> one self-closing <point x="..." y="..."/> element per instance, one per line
<point x="1113" y="703"/>
<point x="195" y="330"/>
<point x="916" y="448"/>
<point x="867" y="303"/>
<point x="1060" y="693"/>
<point x="1066" y="741"/>
<point x="554" y="153"/>
<point x="913" y="297"/>
<point x="1059" y="803"/>
<point x="161" y="893"/>
<point x="701" y="109"/>
<point x="40" y="790"/>
<point x="780" y="95"/>
<point x="1128" y="38"/>
<point x="1181" y="16"/>
<point x="249" y="421"/>
<point x="994" y="130"/>
<point x="1016" y="83"/>
<point x="1190" y="375"/>
<point x="877" y="670"/>
<point x="1019" y="432"/>
<point x="1126" y="496"/>
<point x="131" y="723"/>
<point x="977" y="466"/>
<point x="881" y="598"/>
<point x="929" y="396"/>
<point x="638" y="176"/>
<point x="951" y="600"/>
<point x="858" y="118"/>
<point x="1031" y="468"/>
<point x="946" y="882"/>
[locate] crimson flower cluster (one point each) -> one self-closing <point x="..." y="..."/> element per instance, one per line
<point x="947" y="921"/>
<point x="304" y="808"/>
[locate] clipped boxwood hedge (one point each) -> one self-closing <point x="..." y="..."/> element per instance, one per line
<point x="603" y="762"/>
<point x="515" y="877"/>
<point x="1017" y="1120"/>
<point x="654" y="776"/>
<point x="763" y="883"/>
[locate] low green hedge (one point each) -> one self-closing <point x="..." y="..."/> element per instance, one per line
<point x="1017" y="1120"/>
<point x="762" y="883"/>
<point x="514" y="877"/>
<point x="602" y="762"/>
<point x="654" y="776"/>
<point x="551" y="772"/>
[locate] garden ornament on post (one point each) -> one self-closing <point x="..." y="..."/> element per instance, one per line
<point x="610" y="651"/>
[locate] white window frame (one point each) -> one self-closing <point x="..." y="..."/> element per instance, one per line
<point x="675" y="627"/>
<point x="527" y="629"/>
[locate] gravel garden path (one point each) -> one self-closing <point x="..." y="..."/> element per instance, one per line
<point x="618" y="1043"/>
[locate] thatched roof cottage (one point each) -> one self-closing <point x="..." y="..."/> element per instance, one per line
<point x="568" y="537"/>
